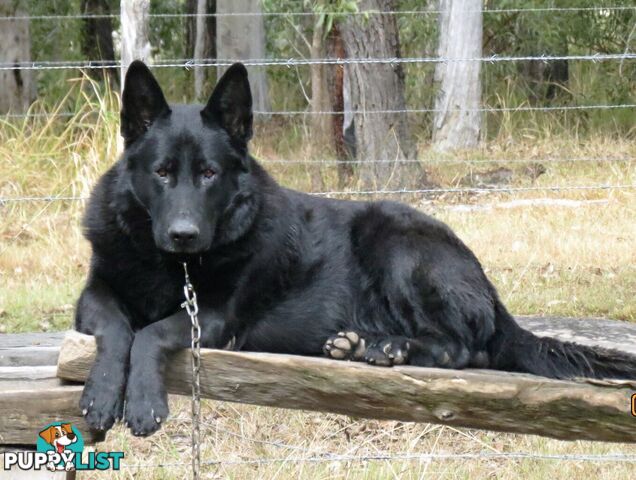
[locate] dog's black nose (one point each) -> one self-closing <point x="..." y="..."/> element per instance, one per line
<point x="183" y="233"/>
<point x="70" y="436"/>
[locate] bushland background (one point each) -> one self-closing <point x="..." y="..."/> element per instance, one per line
<point x="513" y="121"/>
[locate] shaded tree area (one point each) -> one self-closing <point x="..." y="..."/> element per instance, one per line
<point x="558" y="34"/>
<point x="305" y="88"/>
<point x="97" y="38"/>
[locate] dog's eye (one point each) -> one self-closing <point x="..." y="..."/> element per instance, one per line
<point x="162" y="172"/>
<point x="208" y="173"/>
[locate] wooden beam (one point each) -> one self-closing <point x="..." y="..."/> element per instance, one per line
<point x="28" y="349"/>
<point x="590" y="410"/>
<point x="31" y="395"/>
<point x="27" y="406"/>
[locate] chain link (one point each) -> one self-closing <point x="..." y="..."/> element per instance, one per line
<point x="192" y="308"/>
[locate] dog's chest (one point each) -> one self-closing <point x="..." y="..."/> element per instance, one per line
<point x="150" y="291"/>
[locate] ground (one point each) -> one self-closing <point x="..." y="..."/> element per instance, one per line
<point x="572" y="258"/>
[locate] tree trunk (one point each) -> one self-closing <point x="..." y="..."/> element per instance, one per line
<point x="381" y="136"/>
<point x="210" y="28"/>
<point x="335" y="83"/>
<point x="97" y="39"/>
<point x="544" y="80"/>
<point x="209" y="43"/>
<point x="320" y="101"/>
<point x="17" y="87"/>
<point x="190" y="8"/>
<point x="199" y="48"/>
<point x="243" y="38"/>
<point x="135" y="44"/>
<point x="557" y="73"/>
<point x="457" y="124"/>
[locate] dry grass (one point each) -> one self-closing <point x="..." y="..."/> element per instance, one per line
<point x="241" y="436"/>
<point x="544" y="260"/>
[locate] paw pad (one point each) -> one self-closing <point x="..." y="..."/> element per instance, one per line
<point x="387" y="353"/>
<point x="345" y="346"/>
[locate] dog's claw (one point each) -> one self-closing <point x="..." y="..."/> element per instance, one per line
<point x="85" y="411"/>
<point x="158" y="419"/>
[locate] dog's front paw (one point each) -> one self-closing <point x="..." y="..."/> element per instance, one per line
<point x="146" y="408"/>
<point x="388" y="352"/>
<point x="102" y="401"/>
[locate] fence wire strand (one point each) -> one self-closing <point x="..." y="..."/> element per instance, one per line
<point x="486" y="11"/>
<point x="295" y="62"/>
<point x="406" y="191"/>
<point x="293" y="113"/>
<point x="625" y="458"/>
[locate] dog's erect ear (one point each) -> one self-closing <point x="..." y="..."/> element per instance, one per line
<point x="142" y="102"/>
<point x="48" y="434"/>
<point x="230" y="104"/>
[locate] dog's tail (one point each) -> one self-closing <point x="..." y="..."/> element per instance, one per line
<point x="518" y="350"/>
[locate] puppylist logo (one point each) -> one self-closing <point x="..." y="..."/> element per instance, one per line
<point x="59" y="448"/>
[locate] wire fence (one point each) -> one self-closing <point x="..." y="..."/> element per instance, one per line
<point x="400" y="457"/>
<point x="295" y="62"/>
<point x="302" y="454"/>
<point x="317" y="456"/>
<point x="293" y="113"/>
<point x="486" y="11"/>
<point x="189" y="63"/>
<point x="379" y="193"/>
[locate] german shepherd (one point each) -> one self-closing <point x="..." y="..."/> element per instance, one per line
<point x="275" y="270"/>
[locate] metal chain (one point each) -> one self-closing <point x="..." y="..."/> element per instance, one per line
<point x="192" y="308"/>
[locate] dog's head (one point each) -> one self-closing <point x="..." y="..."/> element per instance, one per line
<point x="59" y="436"/>
<point x="188" y="165"/>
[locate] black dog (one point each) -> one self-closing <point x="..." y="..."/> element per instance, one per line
<point x="275" y="270"/>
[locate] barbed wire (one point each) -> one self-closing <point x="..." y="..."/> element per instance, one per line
<point x="435" y="110"/>
<point x="294" y="62"/>
<point x="265" y="113"/>
<point x="445" y="161"/>
<point x="113" y="16"/>
<point x="459" y="190"/>
<point x="626" y="458"/>
<point x="476" y="190"/>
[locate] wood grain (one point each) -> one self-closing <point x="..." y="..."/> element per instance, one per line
<point x="28" y="406"/>
<point x="484" y="399"/>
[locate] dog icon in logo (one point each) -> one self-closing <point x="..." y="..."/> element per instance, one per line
<point x="59" y="437"/>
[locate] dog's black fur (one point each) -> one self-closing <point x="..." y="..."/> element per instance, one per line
<point x="275" y="269"/>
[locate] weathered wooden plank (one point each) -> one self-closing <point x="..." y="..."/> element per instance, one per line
<point x="28" y="373"/>
<point x="28" y="406"/>
<point x="587" y="331"/>
<point x="469" y="398"/>
<point x="20" y="340"/>
<point x="23" y="349"/>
